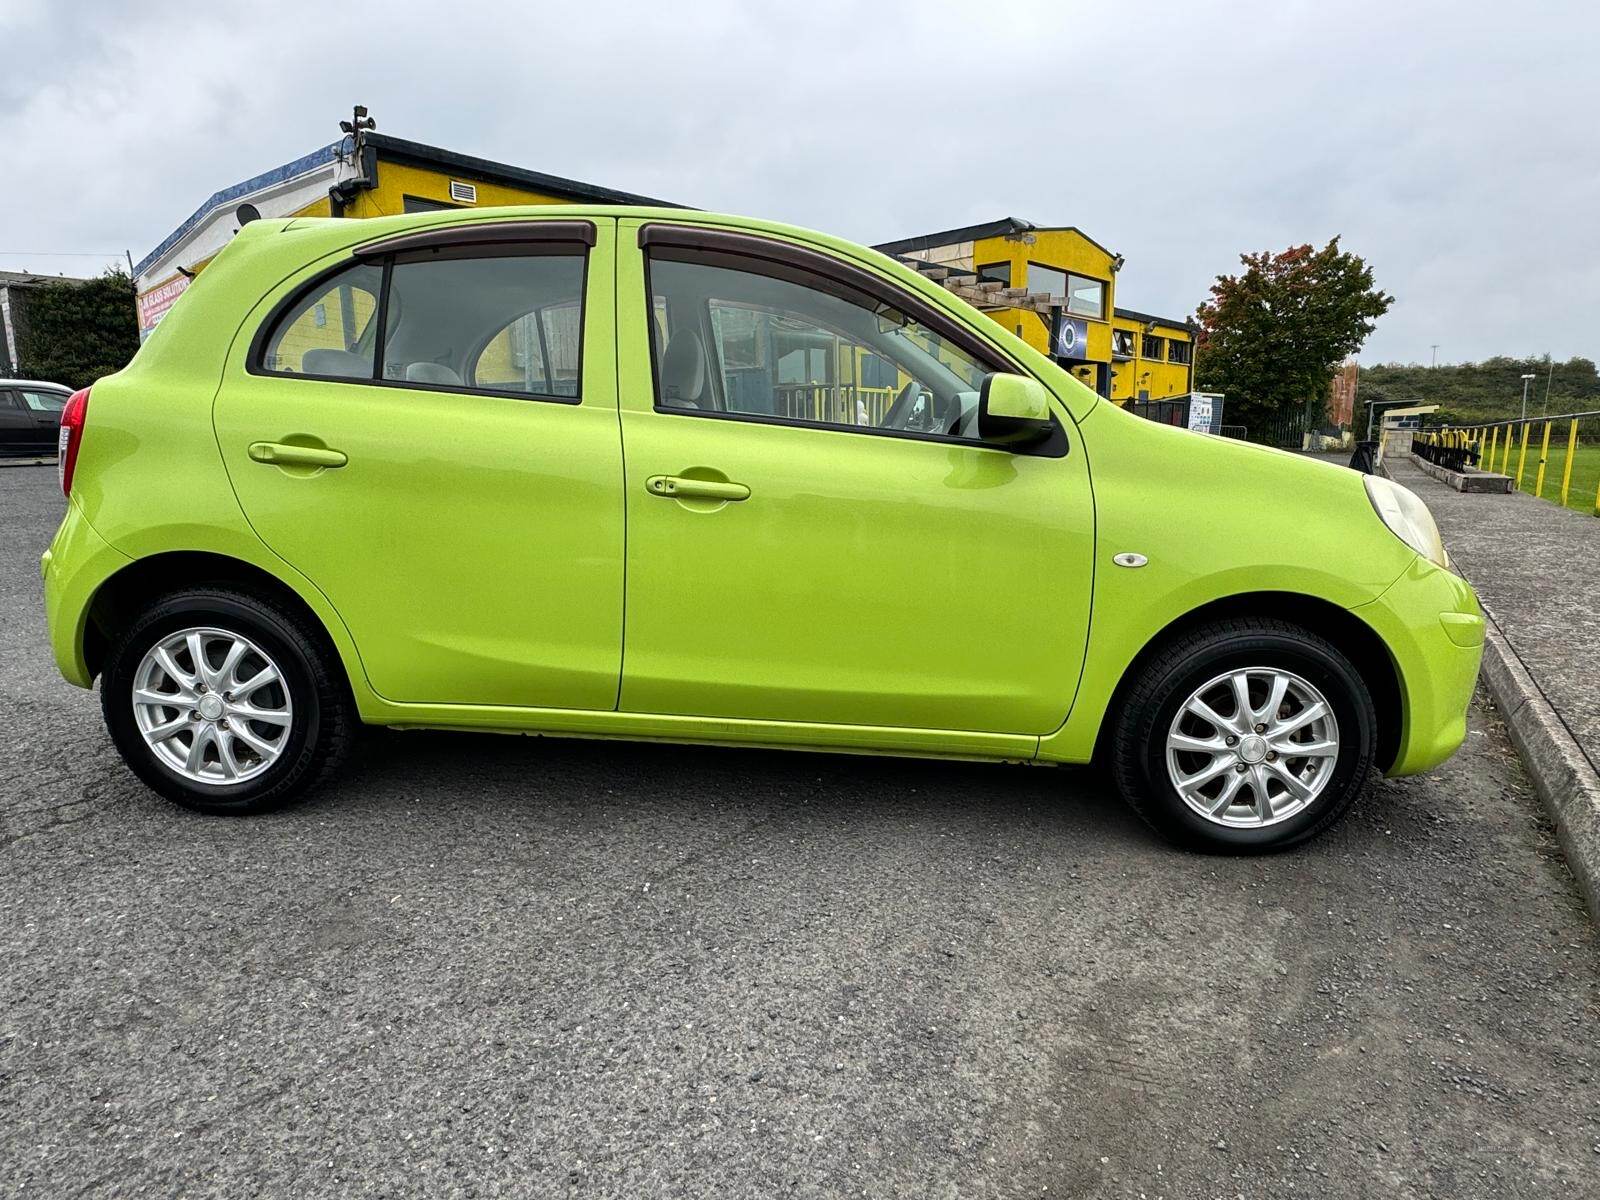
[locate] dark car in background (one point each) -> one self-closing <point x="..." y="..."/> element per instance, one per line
<point x="30" y="416"/>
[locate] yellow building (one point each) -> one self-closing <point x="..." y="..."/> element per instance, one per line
<point x="1055" y="287"/>
<point x="365" y="174"/>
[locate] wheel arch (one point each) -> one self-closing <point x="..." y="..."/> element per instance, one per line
<point x="1355" y="639"/>
<point x="132" y="588"/>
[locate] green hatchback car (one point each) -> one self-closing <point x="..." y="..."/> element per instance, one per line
<point x="659" y="474"/>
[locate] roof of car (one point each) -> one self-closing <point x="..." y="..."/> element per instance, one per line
<point x="34" y="383"/>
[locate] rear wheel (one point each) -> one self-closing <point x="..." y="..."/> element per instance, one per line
<point x="225" y="702"/>
<point x="1243" y="736"/>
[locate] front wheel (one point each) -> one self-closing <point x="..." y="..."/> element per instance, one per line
<point x="1243" y="736"/>
<point x="225" y="702"/>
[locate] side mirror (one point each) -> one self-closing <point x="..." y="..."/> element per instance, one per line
<point x="1013" y="410"/>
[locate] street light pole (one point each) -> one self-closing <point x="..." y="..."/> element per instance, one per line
<point x="1525" y="380"/>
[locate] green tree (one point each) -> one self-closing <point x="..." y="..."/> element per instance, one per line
<point x="1272" y="336"/>
<point x="73" y="333"/>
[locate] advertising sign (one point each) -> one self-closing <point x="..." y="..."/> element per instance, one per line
<point x="1072" y="338"/>
<point x="1205" y="411"/>
<point x="153" y="305"/>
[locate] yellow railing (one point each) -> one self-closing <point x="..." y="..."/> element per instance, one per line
<point x="1502" y="447"/>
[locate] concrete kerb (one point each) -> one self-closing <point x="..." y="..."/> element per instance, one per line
<point x="1465" y="481"/>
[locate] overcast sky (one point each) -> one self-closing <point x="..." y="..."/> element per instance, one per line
<point x="1454" y="145"/>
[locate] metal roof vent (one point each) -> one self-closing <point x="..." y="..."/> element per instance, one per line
<point x="463" y="193"/>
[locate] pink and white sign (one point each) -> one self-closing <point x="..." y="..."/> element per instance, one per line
<point x="153" y="305"/>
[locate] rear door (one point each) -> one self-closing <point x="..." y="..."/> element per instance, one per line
<point x="454" y="485"/>
<point x="17" y="431"/>
<point x="44" y="405"/>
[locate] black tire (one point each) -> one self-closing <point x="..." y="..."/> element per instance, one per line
<point x="324" y="722"/>
<point x="1165" y="682"/>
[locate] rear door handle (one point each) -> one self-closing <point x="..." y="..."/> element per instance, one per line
<point x="680" y="487"/>
<point x="281" y="454"/>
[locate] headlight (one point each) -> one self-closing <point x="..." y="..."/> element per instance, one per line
<point x="1407" y="517"/>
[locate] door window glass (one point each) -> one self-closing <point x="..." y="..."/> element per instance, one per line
<point x="501" y="324"/>
<point x="44" y="402"/>
<point x="328" y="332"/>
<point x="747" y="343"/>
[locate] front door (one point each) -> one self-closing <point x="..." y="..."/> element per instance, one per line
<point x="453" y="486"/>
<point x="815" y="532"/>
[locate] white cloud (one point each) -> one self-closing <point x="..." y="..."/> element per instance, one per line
<point x="1454" y="145"/>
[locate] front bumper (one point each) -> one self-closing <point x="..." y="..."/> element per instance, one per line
<point x="78" y="561"/>
<point x="1432" y="624"/>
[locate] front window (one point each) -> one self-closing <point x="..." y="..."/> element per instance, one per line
<point x="1177" y="352"/>
<point x="747" y="343"/>
<point x="1153" y="347"/>
<point x="1046" y="279"/>
<point x="1086" y="297"/>
<point x="1122" y="343"/>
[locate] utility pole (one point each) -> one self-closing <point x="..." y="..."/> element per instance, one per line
<point x="1548" y="380"/>
<point x="1435" y="354"/>
<point x="1525" y="381"/>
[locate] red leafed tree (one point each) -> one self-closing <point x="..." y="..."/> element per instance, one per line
<point x="1272" y="336"/>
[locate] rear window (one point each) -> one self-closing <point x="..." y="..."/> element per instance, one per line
<point x="509" y="321"/>
<point x="327" y="333"/>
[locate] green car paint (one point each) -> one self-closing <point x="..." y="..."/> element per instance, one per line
<point x="607" y="568"/>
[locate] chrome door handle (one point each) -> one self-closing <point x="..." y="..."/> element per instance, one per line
<point x="680" y="487"/>
<point x="281" y="454"/>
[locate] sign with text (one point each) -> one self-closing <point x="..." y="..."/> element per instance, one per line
<point x="154" y="304"/>
<point x="1205" y="411"/>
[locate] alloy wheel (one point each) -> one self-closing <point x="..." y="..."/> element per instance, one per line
<point x="212" y="705"/>
<point x="1252" y="747"/>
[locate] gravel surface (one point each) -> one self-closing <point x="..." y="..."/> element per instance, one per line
<point x="514" y="967"/>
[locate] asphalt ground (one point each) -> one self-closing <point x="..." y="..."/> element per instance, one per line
<point x="486" y="966"/>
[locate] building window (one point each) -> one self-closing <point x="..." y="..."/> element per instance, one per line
<point x="1122" y="343"/>
<point x="1046" y="279"/>
<point x="1086" y="297"/>
<point x="1178" y="352"/>
<point x="998" y="272"/>
<point x="1153" y="347"/>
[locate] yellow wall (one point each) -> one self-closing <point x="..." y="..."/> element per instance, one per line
<point x="396" y="181"/>
<point x="1160" y="377"/>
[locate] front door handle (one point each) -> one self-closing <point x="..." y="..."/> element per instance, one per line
<point x="281" y="454"/>
<point x="681" y="487"/>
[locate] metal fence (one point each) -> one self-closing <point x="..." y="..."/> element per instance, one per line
<point x="833" y="403"/>
<point x="1565" y="447"/>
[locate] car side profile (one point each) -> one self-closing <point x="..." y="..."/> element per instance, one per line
<point x="660" y="474"/>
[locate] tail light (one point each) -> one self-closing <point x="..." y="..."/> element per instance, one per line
<point x="71" y="437"/>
